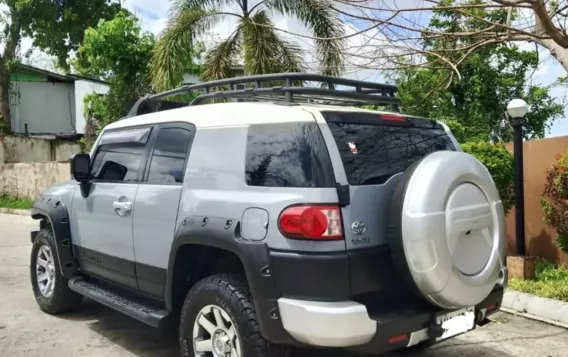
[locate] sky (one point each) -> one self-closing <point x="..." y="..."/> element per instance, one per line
<point x="154" y="14"/>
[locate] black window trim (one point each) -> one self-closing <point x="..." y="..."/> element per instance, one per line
<point x="143" y="159"/>
<point x="152" y="144"/>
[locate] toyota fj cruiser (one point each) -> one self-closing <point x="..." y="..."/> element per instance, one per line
<point x="287" y="217"/>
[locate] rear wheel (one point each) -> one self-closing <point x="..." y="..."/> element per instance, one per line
<point x="50" y="288"/>
<point x="218" y="319"/>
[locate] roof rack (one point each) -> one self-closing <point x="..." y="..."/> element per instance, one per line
<point x="281" y="87"/>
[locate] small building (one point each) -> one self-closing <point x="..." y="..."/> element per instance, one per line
<point x="50" y="104"/>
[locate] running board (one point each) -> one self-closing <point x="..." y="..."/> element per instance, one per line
<point x="144" y="313"/>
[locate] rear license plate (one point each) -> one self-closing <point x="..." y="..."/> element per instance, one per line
<point x="457" y="322"/>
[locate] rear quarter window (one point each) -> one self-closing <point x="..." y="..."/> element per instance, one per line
<point x="287" y="155"/>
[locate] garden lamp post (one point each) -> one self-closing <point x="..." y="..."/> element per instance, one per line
<point x="517" y="109"/>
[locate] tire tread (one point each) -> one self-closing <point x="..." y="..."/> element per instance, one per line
<point x="235" y="288"/>
<point x="63" y="298"/>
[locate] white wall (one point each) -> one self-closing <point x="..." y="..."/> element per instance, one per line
<point x="46" y="108"/>
<point x="82" y="88"/>
<point x="39" y="176"/>
<point x="190" y="78"/>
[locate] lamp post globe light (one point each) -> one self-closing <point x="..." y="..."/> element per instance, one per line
<point x="517" y="109"/>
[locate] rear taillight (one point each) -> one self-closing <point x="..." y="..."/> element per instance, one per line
<point x="393" y="117"/>
<point x="319" y="222"/>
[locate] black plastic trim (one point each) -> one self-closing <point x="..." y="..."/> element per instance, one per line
<point x="372" y="271"/>
<point x="116" y="270"/>
<point x="151" y="280"/>
<point x="56" y="213"/>
<point x="395" y="324"/>
<point x="254" y="257"/>
<point x="335" y="276"/>
<point x="316" y="277"/>
<point x="343" y="195"/>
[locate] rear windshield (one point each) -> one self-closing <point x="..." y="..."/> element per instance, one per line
<point x="374" y="152"/>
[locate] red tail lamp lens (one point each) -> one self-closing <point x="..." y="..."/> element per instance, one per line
<point x="312" y="222"/>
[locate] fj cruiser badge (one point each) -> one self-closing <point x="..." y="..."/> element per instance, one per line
<point x="358" y="228"/>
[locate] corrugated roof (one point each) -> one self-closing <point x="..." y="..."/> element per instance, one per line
<point x="62" y="77"/>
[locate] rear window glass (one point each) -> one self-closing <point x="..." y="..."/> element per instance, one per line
<point x="287" y="155"/>
<point x="373" y="153"/>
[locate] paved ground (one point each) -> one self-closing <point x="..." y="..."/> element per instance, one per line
<point x="98" y="331"/>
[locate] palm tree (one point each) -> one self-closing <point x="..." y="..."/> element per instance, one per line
<point x="254" y="38"/>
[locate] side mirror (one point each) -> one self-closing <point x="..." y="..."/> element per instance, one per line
<point x="81" y="167"/>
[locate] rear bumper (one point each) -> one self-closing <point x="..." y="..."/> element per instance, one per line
<point x="348" y="324"/>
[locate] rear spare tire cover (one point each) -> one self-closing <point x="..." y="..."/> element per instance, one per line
<point x="447" y="229"/>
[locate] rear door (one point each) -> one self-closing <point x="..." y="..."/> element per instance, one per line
<point x="157" y="201"/>
<point x="369" y="154"/>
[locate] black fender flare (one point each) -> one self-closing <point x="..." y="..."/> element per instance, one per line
<point x="55" y="212"/>
<point x="223" y="233"/>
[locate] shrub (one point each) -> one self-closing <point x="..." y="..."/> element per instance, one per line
<point x="551" y="281"/>
<point x="501" y="165"/>
<point x="554" y="200"/>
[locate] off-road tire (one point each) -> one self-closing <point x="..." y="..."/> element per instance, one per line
<point x="62" y="299"/>
<point x="231" y="293"/>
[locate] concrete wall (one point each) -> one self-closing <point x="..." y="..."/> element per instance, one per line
<point x="45" y="107"/>
<point x="82" y="88"/>
<point x="15" y="149"/>
<point x="28" y="180"/>
<point x="540" y="240"/>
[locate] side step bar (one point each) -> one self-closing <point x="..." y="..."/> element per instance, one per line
<point x="144" y="313"/>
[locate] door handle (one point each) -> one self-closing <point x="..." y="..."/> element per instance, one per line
<point x="122" y="208"/>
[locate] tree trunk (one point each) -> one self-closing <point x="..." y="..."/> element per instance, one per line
<point x="6" y="126"/>
<point x="557" y="51"/>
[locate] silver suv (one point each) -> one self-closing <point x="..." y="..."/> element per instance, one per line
<point x="284" y="216"/>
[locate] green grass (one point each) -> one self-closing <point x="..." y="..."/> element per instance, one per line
<point x="14" y="202"/>
<point x="550" y="281"/>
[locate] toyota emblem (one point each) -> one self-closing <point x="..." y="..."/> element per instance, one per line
<point x="358" y="228"/>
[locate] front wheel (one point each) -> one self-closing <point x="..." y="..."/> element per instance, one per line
<point x="51" y="289"/>
<point x="218" y="319"/>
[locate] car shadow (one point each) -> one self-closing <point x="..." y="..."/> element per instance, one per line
<point x="144" y="341"/>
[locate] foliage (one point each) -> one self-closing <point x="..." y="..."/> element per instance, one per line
<point x="114" y="48"/>
<point x="255" y="39"/>
<point x="12" y="202"/>
<point x="58" y="26"/>
<point x="55" y="26"/>
<point x="118" y="52"/>
<point x="550" y="281"/>
<point x="554" y="200"/>
<point x="490" y="77"/>
<point x="501" y="165"/>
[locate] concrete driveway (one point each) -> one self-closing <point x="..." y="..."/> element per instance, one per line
<point x="98" y="331"/>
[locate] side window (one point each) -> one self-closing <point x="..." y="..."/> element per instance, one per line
<point x="168" y="159"/>
<point x="287" y="155"/>
<point x="118" y="162"/>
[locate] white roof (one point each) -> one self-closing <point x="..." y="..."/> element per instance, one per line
<point x="233" y="114"/>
